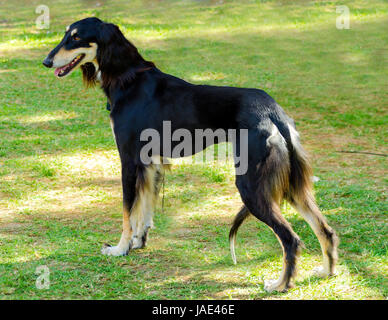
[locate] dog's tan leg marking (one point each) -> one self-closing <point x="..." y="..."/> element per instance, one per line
<point x="279" y="284"/>
<point x="124" y="244"/>
<point x="138" y="220"/>
<point x="305" y="203"/>
<point x="328" y="245"/>
<point x="138" y="217"/>
<point x="142" y="220"/>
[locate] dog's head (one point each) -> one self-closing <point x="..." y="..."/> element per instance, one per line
<point x="95" y="46"/>
<point x="78" y="47"/>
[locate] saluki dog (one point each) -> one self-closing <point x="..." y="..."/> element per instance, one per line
<point x="141" y="96"/>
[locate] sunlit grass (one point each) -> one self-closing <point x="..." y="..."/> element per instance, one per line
<point x="60" y="188"/>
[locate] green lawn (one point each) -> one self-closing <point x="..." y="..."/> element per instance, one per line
<point x="60" y="191"/>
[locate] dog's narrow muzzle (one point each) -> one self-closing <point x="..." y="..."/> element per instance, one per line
<point x="48" y="62"/>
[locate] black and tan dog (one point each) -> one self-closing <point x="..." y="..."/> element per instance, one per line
<point x="141" y="97"/>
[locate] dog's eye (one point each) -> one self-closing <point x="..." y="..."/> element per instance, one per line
<point x="76" y="37"/>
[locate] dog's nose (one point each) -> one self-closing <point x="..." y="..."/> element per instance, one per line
<point x="48" y="62"/>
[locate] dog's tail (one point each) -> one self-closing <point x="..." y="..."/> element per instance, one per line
<point x="238" y="220"/>
<point x="301" y="174"/>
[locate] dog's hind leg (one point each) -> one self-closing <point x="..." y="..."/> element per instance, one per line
<point x="267" y="210"/>
<point x="262" y="189"/>
<point x="302" y="198"/>
<point x="325" y="234"/>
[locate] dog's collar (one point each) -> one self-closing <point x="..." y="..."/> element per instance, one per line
<point x="143" y="69"/>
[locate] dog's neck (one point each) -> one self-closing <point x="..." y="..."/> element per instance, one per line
<point x="111" y="90"/>
<point x="124" y="78"/>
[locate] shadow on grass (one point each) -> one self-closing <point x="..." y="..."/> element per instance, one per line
<point x="181" y="266"/>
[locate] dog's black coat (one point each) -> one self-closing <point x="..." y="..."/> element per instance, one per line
<point x="140" y="96"/>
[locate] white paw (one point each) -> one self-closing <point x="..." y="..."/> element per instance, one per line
<point x="114" y="251"/>
<point x="273" y="285"/>
<point x="136" y="243"/>
<point x="322" y="272"/>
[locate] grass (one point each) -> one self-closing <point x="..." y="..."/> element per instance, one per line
<point x="60" y="193"/>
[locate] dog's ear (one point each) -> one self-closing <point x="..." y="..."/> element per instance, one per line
<point x="107" y="34"/>
<point x="118" y="59"/>
<point x="111" y="43"/>
<point x="113" y="48"/>
<point x="116" y="56"/>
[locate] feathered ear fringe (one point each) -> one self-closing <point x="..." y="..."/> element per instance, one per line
<point x="89" y="74"/>
<point x="118" y="59"/>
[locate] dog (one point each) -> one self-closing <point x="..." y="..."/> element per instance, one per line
<point x="140" y="97"/>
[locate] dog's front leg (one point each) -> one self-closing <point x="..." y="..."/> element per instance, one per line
<point x="129" y="197"/>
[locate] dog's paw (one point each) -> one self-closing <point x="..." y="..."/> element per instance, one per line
<point x="322" y="272"/>
<point x="115" y="251"/>
<point x="137" y="243"/>
<point x="275" y="285"/>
